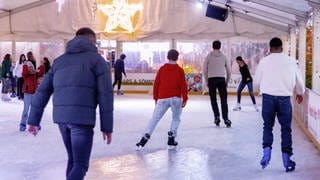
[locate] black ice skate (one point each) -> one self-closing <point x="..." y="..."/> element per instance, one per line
<point x="227" y="122"/>
<point x="171" y="142"/>
<point x="143" y="141"/>
<point x="217" y="121"/>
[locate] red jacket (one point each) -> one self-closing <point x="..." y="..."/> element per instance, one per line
<point x="30" y="80"/>
<point x="170" y="82"/>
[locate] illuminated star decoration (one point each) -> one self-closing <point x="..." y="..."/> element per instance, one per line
<point x="119" y="14"/>
<point x="60" y="3"/>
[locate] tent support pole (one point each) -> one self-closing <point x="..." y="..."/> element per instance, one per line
<point x="316" y="51"/>
<point x="302" y="48"/>
<point x="293" y="43"/>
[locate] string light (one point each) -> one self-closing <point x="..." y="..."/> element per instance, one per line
<point x="119" y="14"/>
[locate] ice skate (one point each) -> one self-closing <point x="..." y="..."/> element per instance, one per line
<point x="237" y="107"/>
<point x="217" y="121"/>
<point x="13" y="95"/>
<point x="256" y="107"/>
<point x="172" y="144"/>
<point x="266" y="157"/>
<point x="119" y="93"/>
<point x="227" y="122"/>
<point x="142" y="142"/>
<point x="288" y="163"/>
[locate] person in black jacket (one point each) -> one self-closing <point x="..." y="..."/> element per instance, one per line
<point x="246" y="79"/>
<point x="79" y="80"/>
<point x="118" y="70"/>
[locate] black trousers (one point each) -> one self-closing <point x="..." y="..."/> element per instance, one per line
<point x="19" y="87"/>
<point x="219" y="83"/>
<point x="117" y="79"/>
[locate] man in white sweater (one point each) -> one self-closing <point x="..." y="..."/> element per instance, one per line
<point x="216" y="72"/>
<point x="278" y="77"/>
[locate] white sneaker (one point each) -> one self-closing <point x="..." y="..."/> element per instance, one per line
<point x="237" y="107"/>
<point x="5" y="97"/>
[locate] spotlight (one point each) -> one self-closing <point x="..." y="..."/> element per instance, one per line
<point x="217" y="12"/>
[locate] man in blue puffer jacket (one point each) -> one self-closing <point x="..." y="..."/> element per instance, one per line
<point x="79" y="81"/>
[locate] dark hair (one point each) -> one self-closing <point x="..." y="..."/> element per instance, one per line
<point x="173" y="55"/>
<point x="85" y="31"/>
<point x="46" y="64"/>
<point x="239" y="58"/>
<point x="123" y="56"/>
<point x="275" y="43"/>
<point x="20" y="59"/>
<point x="7" y="57"/>
<point x="216" y="44"/>
<point x="31" y="58"/>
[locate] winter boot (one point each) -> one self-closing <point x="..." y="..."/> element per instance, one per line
<point x="143" y="141"/>
<point x="171" y="141"/>
<point x="227" y="122"/>
<point x="288" y="163"/>
<point x="266" y="157"/>
<point x="217" y="121"/>
<point x="237" y="107"/>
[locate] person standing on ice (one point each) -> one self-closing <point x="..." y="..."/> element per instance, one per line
<point x="118" y="70"/>
<point x="278" y="76"/>
<point x="169" y="91"/>
<point x="216" y="73"/>
<point x="79" y="80"/>
<point x="246" y="80"/>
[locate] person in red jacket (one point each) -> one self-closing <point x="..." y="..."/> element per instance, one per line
<point x="169" y="91"/>
<point x="30" y="77"/>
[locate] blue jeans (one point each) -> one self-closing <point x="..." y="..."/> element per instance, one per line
<point x="250" y="89"/>
<point x="280" y="107"/>
<point x="25" y="113"/>
<point x="5" y="85"/>
<point x="78" y="142"/>
<point x="161" y="108"/>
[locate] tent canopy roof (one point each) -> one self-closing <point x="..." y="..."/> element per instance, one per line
<point x="160" y="19"/>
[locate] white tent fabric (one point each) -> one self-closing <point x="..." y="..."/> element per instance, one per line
<point x="165" y="19"/>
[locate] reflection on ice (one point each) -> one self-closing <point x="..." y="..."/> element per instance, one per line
<point x="187" y="163"/>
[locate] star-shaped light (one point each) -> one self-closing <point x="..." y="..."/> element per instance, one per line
<point x="119" y="14"/>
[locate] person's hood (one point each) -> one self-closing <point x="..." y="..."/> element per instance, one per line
<point x="80" y="44"/>
<point x="216" y="53"/>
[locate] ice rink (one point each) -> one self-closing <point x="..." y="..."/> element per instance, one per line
<point x="204" y="152"/>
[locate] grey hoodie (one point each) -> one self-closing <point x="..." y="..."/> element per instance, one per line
<point x="216" y="65"/>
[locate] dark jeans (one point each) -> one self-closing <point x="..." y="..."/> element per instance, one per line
<point x="220" y="84"/>
<point x="13" y="85"/>
<point x="19" y="88"/>
<point x="78" y="142"/>
<point x="117" y="79"/>
<point x="280" y="107"/>
<point x="250" y="89"/>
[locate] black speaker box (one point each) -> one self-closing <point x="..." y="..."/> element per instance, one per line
<point x="217" y="12"/>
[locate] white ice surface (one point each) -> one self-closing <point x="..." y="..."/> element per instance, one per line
<point x="205" y="151"/>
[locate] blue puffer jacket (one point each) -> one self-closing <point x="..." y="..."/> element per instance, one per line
<point x="79" y="81"/>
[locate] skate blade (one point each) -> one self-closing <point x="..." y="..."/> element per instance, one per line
<point x="139" y="148"/>
<point x="171" y="147"/>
